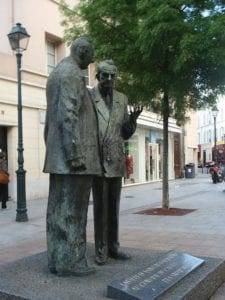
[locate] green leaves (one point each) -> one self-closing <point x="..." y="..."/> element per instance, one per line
<point x="175" y="46"/>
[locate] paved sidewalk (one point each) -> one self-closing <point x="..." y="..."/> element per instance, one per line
<point x="200" y="233"/>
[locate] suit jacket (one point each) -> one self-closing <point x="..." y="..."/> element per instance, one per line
<point x="119" y="128"/>
<point x="71" y="122"/>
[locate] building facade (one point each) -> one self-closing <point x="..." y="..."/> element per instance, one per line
<point x="211" y="131"/>
<point x="190" y="141"/>
<point x="145" y="148"/>
<point x="42" y="21"/>
<point x="46" y="48"/>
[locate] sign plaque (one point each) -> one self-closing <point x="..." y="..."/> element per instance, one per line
<point x="151" y="281"/>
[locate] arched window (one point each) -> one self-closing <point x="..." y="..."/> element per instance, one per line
<point x="205" y="137"/>
<point x="199" y="138"/>
<point x="222" y="133"/>
<point x="210" y="117"/>
<point x="221" y="114"/>
<point x="209" y="136"/>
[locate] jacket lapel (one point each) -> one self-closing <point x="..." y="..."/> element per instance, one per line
<point x="114" y="113"/>
<point x="101" y="110"/>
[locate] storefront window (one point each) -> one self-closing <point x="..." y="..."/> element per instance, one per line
<point x="143" y="156"/>
<point x="153" y="155"/>
<point x="131" y="160"/>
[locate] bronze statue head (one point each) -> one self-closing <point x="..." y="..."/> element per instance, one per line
<point x="106" y="73"/>
<point x="82" y="51"/>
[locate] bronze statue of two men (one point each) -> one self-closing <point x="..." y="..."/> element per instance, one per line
<point x="84" y="135"/>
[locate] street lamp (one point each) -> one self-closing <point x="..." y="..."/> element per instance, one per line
<point x="214" y="114"/>
<point x="18" y="39"/>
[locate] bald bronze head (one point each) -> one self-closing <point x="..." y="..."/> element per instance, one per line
<point x="82" y="51"/>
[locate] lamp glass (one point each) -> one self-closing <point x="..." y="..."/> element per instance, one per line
<point x="18" y="38"/>
<point x="214" y="113"/>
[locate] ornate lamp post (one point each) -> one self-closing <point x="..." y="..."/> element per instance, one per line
<point x="18" y="39"/>
<point x="214" y="114"/>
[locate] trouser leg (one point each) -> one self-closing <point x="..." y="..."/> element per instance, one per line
<point x="100" y="196"/>
<point x="66" y="222"/>
<point x="114" y="192"/>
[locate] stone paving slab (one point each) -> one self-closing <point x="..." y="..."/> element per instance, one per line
<point x="201" y="233"/>
<point x="29" y="278"/>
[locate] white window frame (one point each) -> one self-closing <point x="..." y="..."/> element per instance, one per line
<point x="51" y="66"/>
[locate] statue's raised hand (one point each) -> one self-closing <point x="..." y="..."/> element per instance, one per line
<point x="135" y="111"/>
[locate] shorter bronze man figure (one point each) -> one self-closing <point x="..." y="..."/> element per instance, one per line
<point x="115" y="126"/>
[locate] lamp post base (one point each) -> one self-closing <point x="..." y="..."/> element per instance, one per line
<point x="21" y="216"/>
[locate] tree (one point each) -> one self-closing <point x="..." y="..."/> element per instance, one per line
<point x="169" y="53"/>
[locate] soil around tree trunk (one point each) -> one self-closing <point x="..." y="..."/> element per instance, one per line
<point x="173" y="211"/>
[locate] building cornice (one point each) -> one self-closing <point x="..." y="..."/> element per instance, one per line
<point x="34" y="72"/>
<point x="147" y="119"/>
<point x="29" y="105"/>
<point x="10" y="79"/>
<point x="55" y="1"/>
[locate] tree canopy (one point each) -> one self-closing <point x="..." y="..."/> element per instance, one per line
<point x="170" y="54"/>
<point x="159" y="46"/>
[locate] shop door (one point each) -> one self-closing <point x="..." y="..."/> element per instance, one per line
<point x="152" y="160"/>
<point x="3" y="148"/>
<point x="177" y="156"/>
<point x="3" y="139"/>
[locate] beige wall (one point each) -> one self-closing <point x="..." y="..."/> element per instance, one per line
<point x="41" y="18"/>
<point x="5" y="24"/>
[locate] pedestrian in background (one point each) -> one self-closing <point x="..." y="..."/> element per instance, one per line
<point x="4" y="179"/>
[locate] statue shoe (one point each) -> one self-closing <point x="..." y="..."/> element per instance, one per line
<point x="100" y="260"/>
<point x="85" y="271"/>
<point x="119" y="255"/>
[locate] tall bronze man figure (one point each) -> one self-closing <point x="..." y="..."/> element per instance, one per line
<point x="72" y="159"/>
<point x="115" y="126"/>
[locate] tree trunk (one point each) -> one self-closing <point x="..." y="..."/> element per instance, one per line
<point x="165" y="190"/>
